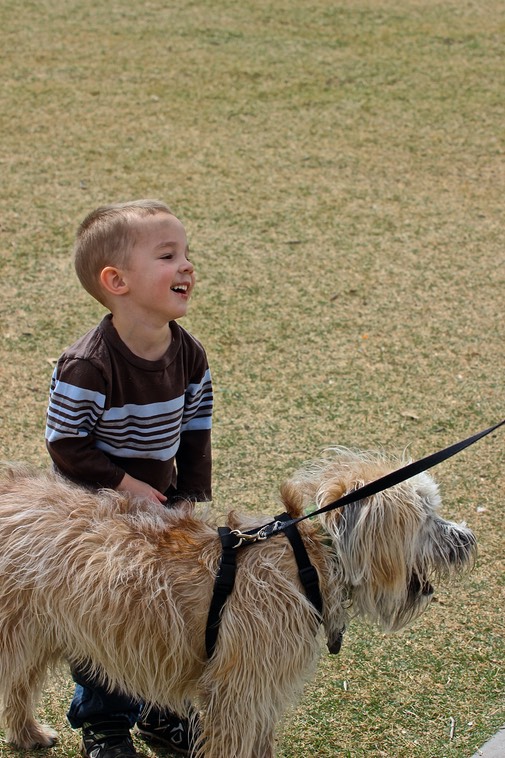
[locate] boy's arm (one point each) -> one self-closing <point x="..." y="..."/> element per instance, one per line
<point x="76" y="403"/>
<point x="194" y="467"/>
<point x="194" y="458"/>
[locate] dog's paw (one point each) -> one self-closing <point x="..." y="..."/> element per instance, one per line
<point x="49" y="736"/>
<point x="34" y="737"/>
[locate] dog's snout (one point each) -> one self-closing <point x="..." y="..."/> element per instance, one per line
<point x="420" y="586"/>
<point x="462" y="546"/>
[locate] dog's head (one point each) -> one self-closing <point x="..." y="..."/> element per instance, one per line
<point x="390" y="548"/>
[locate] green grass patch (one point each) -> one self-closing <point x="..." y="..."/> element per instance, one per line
<point x="340" y="171"/>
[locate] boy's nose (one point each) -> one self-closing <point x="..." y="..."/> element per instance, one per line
<point x="188" y="266"/>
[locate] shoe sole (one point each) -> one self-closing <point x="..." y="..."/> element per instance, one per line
<point x="84" y="753"/>
<point x="153" y="739"/>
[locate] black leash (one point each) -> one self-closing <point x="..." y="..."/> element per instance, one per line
<point x="372" y="488"/>
<point x="232" y="539"/>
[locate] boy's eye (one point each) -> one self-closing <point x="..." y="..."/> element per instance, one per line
<point x="167" y="257"/>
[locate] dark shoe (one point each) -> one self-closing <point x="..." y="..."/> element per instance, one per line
<point x="107" y="739"/>
<point x="171" y="731"/>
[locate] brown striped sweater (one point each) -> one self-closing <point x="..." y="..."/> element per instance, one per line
<point x="111" y="412"/>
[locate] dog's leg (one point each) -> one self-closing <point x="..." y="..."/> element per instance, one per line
<point x="228" y="730"/>
<point x="264" y="747"/>
<point x="236" y="726"/>
<point x="21" y="694"/>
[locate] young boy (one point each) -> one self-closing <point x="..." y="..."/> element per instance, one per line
<point x="130" y="408"/>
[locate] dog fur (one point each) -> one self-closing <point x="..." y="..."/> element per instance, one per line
<point x="127" y="585"/>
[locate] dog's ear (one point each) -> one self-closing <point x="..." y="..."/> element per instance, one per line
<point x="294" y="498"/>
<point x="375" y="540"/>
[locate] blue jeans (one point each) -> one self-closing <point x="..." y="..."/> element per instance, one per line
<point x="92" y="702"/>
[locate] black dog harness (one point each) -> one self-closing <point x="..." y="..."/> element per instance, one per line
<point x="225" y="579"/>
<point x="233" y="539"/>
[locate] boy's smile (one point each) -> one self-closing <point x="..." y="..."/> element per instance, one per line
<point x="182" y="289"/>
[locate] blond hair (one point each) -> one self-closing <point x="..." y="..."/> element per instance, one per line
<point x="106" y="238"/>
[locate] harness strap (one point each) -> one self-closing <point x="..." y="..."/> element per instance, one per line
<point x="223" y="586"/>
<point x="306" y="571"/>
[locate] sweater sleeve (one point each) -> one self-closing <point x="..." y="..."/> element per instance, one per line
<point x="194" y="467"/>
<point x="194" y="458"/>
<point x="76" y="402"/>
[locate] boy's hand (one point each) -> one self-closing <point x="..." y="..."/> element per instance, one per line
<point x="140" y="489"/>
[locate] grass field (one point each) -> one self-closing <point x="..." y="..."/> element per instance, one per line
<point x="340" y="169"/>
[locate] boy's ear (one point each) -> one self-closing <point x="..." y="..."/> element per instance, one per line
<point x="112" y="281"/>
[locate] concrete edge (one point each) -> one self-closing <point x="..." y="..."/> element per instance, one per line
<point x="494" y="748"/>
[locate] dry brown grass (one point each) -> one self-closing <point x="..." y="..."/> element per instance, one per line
<point x="340" y="169"/>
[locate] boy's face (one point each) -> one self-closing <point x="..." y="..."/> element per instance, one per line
<point x="159" y="276"/>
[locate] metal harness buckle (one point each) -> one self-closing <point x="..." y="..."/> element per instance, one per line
<point x="259" y="536"/>
<point x="244" y="537"/>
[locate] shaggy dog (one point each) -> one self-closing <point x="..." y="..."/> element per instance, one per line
<point x="127" y="585"/>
